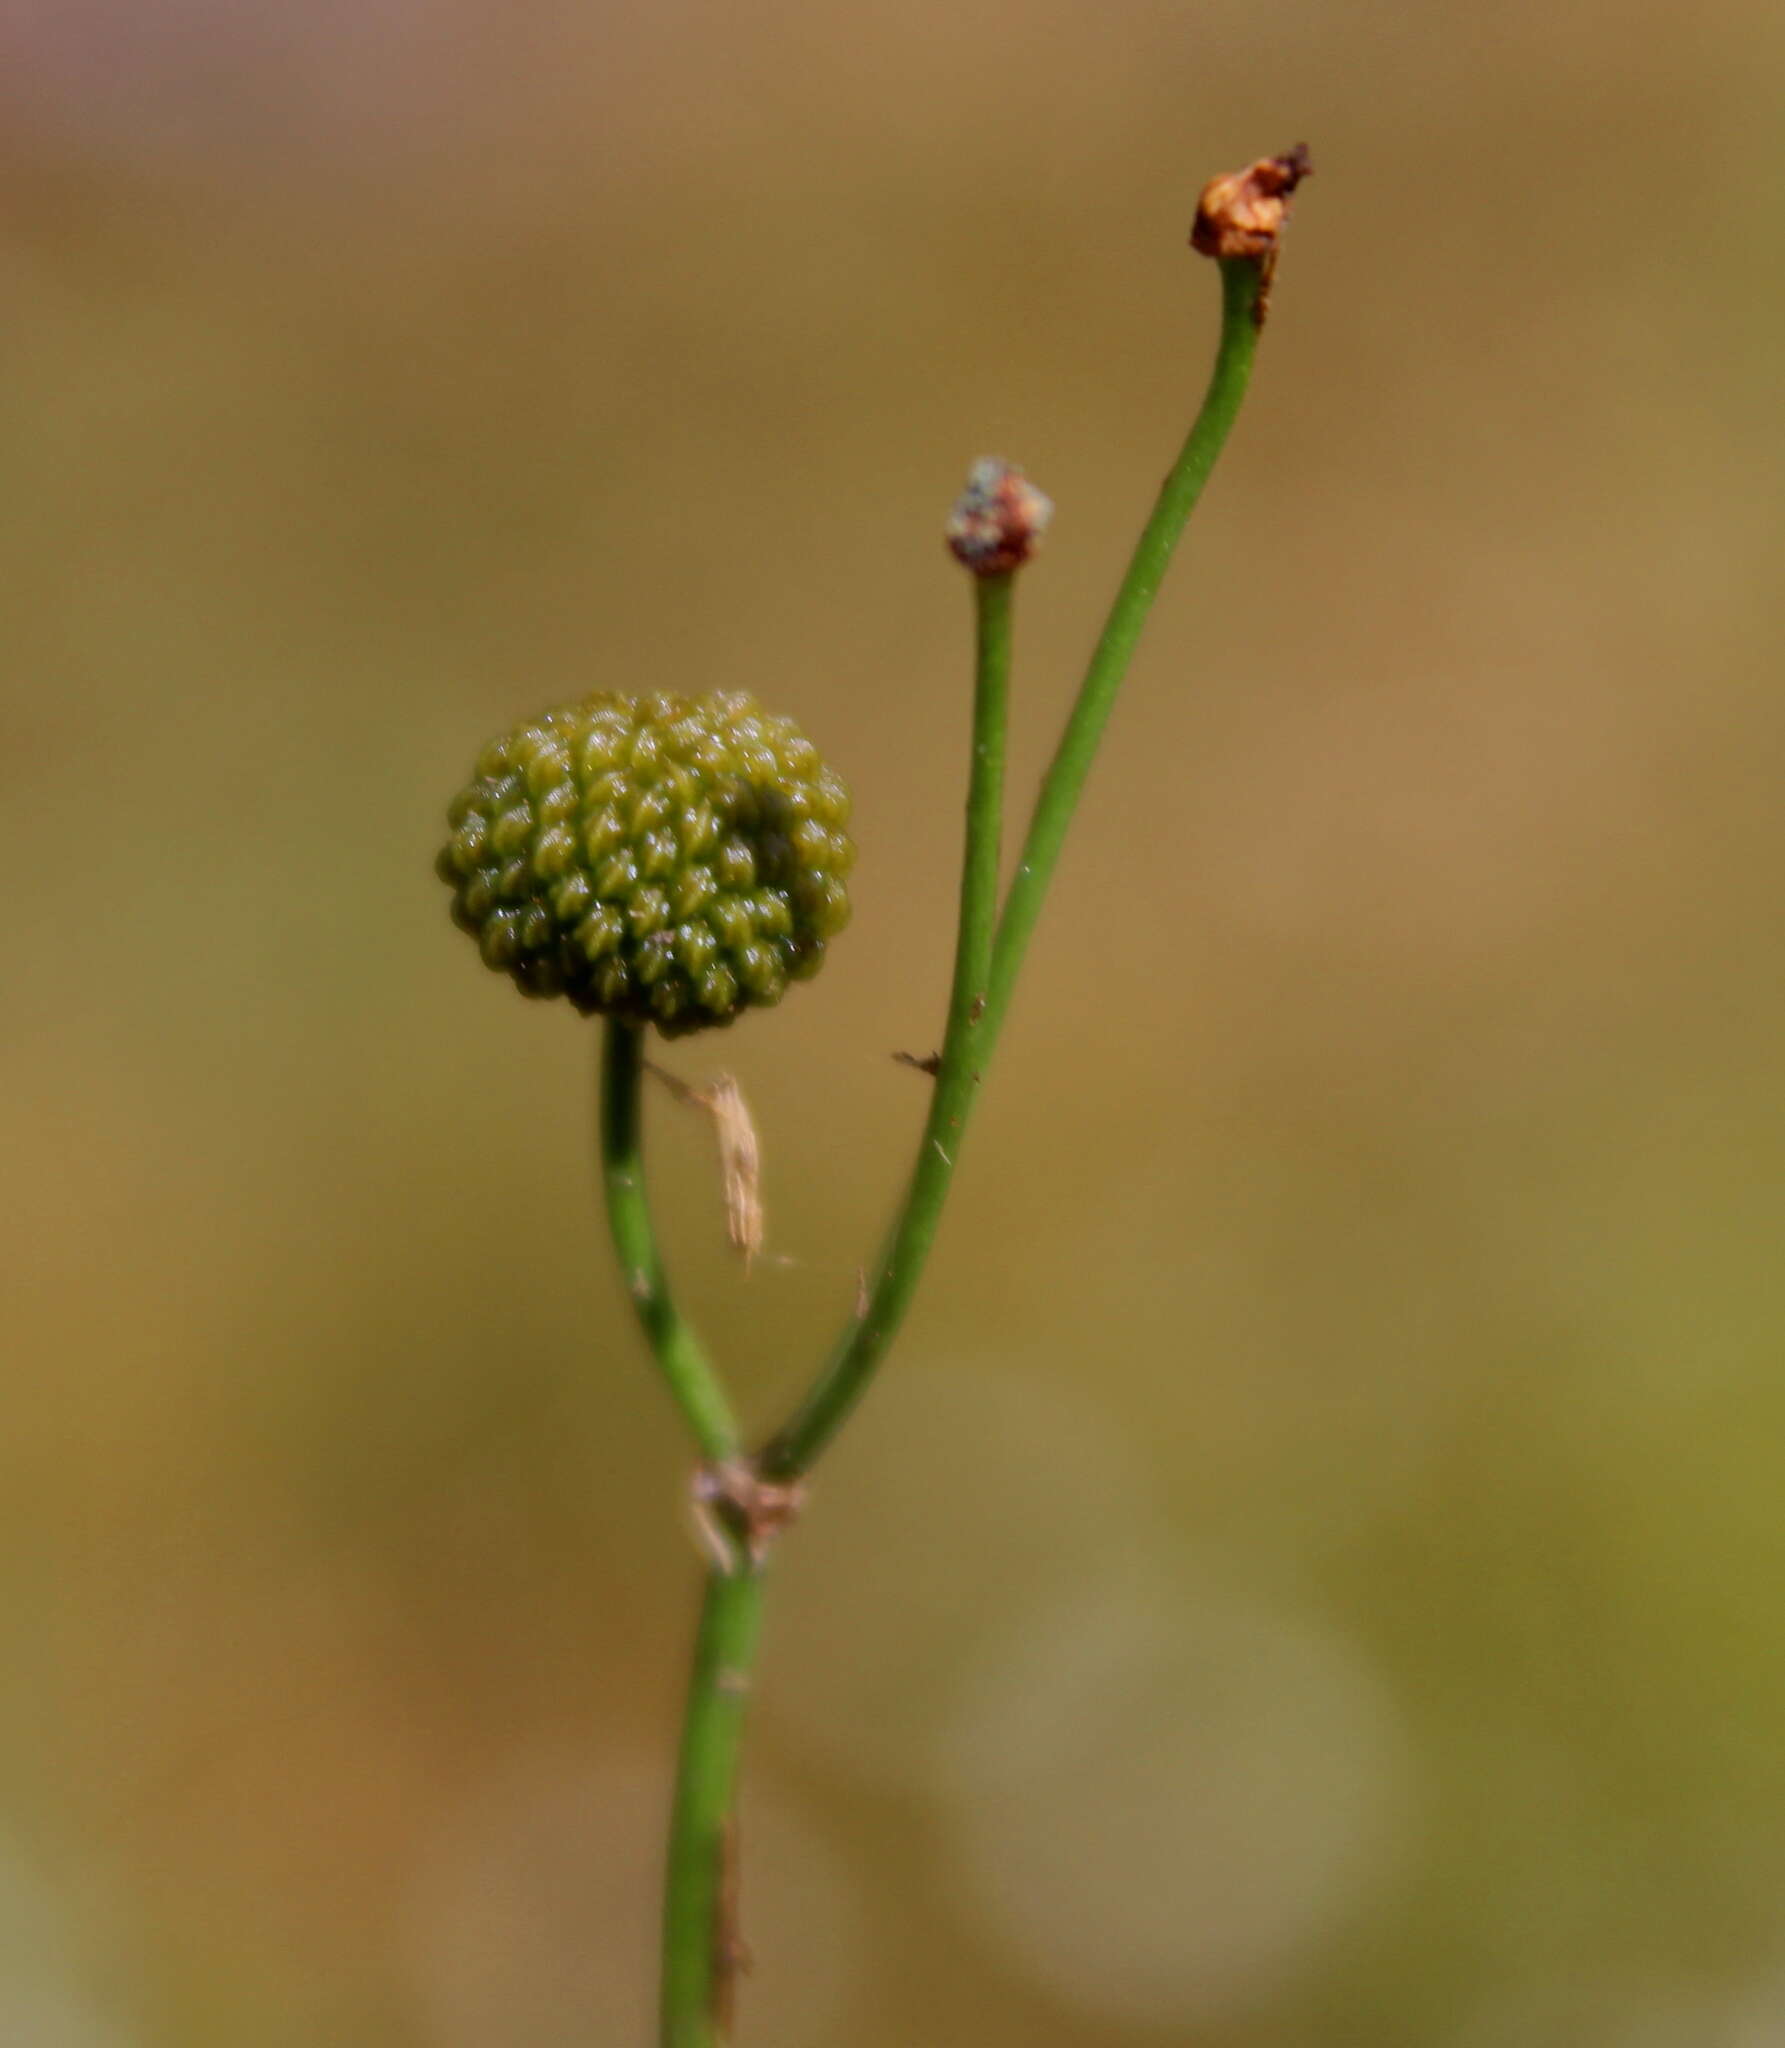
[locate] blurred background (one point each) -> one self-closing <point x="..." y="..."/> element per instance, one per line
<point x="1314" y="1573"/>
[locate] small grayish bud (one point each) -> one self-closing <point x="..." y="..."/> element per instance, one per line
<point x="998" y="520"/>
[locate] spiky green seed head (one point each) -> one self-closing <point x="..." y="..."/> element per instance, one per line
<point x="673" y="860"/>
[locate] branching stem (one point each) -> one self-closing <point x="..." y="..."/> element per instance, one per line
<point x="984" y="980"/>
<point x="699" y="1938"/>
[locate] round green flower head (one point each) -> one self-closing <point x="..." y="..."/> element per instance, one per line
<point x="668" y="859"/>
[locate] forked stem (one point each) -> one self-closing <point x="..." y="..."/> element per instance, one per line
<point x="1238" y="222"/>
<point x="974" y="1023"/>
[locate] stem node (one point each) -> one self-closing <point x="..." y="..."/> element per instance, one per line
<point x="734" y="1504"/>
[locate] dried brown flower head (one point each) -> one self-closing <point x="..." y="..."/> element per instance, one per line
<point x="1242" y="213"/>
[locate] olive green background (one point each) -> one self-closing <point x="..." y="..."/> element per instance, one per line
<point x="1313" y="1576"/>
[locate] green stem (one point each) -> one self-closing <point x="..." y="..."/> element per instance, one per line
<point x="982" y="992"/>
<point x="693" y="1384"/>
<point x="699" y="1957"/>
<point x="697" y="1962"/>
<point x="964" y="1049"/>
<point x="1065" y="779"/>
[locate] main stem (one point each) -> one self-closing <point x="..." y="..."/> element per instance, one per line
<point x="977" y="1009"/>
<point x="700" y="1955"/>
<point x="680" y="1358"/>
<point x="965" y="1046"/>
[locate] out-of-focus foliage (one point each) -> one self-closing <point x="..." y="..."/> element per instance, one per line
<point x="1312" y="1574"/>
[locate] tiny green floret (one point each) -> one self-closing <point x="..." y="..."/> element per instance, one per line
<point x="666" y="860"/>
